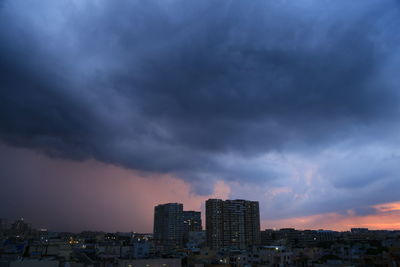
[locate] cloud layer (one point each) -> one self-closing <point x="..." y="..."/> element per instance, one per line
<point x="296" y="102"/>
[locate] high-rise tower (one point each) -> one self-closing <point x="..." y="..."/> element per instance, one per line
<point x="232" y="223"/>
<point x="192" y="221"/>
<point x="168" y="225"/>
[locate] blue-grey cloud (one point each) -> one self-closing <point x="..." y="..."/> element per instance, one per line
<point x="184" y="88"/>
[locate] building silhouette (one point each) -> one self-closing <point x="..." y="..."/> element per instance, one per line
<point x="168" y="225"/>
<point x="232" y="223"/>
<point x="192" y="221"/>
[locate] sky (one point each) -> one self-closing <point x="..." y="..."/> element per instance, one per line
<point x="109" y="108"/>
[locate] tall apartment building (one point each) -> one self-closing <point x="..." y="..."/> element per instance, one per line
<point x="214" y="223"/>
<point x="192" y="221"/>
<point x="232" y="223"/>
<point x="168" y="225"/>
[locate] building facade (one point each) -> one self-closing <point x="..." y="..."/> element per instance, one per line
<point x="168" y="225"/>
<point x="192" y="221"/>
<point x="214" y="223"/>
<point x="232" y="223"/>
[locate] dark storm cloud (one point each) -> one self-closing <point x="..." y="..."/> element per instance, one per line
<point x="170" y="87"/>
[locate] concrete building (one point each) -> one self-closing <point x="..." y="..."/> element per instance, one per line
<point x="232" y="223"/>
<point x="191" y="224"/>
<point x="267" y="237"/>
<point x="196" y="240"/>
<point x="192" y="221"/>
<point x="140" y="248"/>
<point x="151" y="263"/>
<point x="214" y="223"/>
<point x="168" y="225"/>
<point x="275" y="256"/>
<point x="35" y="263"/>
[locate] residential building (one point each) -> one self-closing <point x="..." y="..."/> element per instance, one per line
<point x="168" y="225"/>
<point x="232" y="223"/>
<point x="192" y="221"/>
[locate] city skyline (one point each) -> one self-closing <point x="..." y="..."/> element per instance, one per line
<point x="7" y="222"/>
<point x="232" y="238"/>
<point x="109" y="108"/>
<point x="203" y="220"/>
